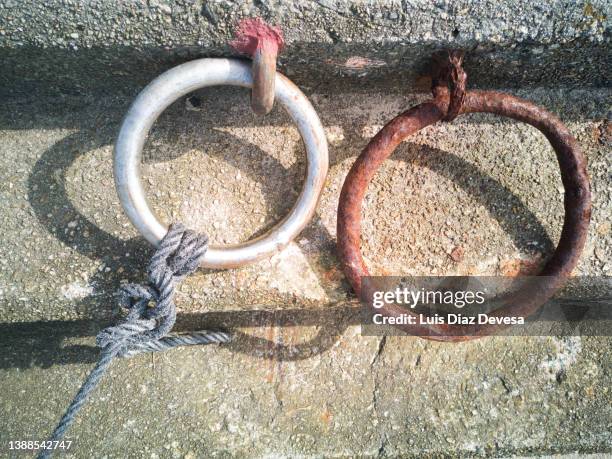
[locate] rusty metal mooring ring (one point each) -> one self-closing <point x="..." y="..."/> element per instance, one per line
<point x="577" y="202"/>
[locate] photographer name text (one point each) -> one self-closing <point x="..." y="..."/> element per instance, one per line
<point x="449" y="319"/>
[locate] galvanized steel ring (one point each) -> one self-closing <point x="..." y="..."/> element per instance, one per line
<point x="179" y="81"/>
<point x="577" y="202"/>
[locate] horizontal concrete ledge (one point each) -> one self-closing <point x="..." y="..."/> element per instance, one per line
<point x="71" y="47"/>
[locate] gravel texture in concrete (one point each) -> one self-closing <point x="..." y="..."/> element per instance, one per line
<point x="299" y="379"/>
<point x="105" y="46"/>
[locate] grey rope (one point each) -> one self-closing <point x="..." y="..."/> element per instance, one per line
<point x="145" y="328"/>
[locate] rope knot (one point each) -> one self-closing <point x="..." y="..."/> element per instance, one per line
<point x="152" y="312"/>
<point x="448" y="76"/>
<point x="178" y="255"/>
<point x="151" y="315"/>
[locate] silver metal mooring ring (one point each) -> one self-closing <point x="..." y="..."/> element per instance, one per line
<point x="179" y="81"/>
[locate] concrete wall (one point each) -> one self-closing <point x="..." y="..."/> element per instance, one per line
<point x="103" y="45"/>
<point x="299" y="379"/>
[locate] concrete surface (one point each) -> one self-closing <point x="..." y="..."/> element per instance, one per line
<point x="70" y="47"/>
<point x="299" y="380"/>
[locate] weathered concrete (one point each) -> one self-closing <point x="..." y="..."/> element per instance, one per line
<point x="300" y="379"/>
<point x="68" y="47"/>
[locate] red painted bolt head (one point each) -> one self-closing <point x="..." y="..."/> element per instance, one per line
<point x="253" y="34"/>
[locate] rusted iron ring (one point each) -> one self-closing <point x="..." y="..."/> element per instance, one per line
<point x="577" y="202"/>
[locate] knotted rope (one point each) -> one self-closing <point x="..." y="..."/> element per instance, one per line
<point x="151" y="315"/>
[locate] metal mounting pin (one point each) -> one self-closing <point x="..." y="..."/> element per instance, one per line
<point x="263" y="43"/>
